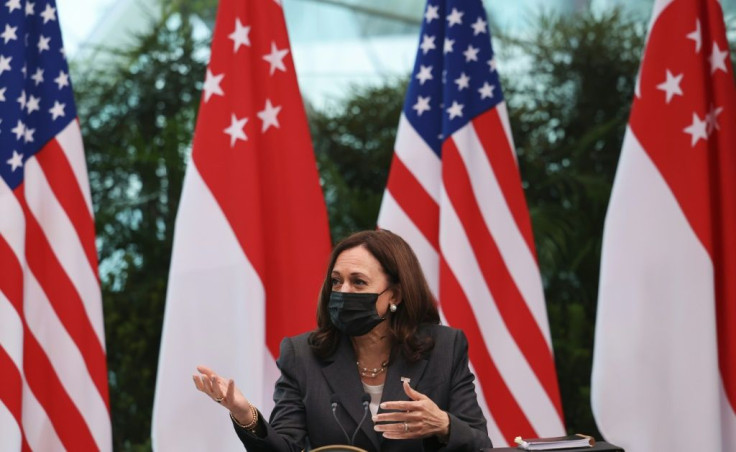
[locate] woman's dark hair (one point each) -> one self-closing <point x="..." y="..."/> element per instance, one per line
<point x="407" y="282"/>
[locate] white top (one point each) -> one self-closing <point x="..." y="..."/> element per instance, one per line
<point x="375" y="391"/>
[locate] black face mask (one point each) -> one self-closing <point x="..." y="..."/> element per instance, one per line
<point x="354" y="314"/>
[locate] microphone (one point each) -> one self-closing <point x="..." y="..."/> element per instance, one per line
<point x="366" y="399"/>
<point x="334" y="401"/>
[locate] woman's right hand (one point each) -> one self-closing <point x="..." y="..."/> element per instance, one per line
<point x="225" y="393"/>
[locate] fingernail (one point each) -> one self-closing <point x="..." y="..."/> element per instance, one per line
<point x="383" y="406"/>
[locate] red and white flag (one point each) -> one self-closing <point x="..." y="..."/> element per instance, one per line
<point x="53" y="389"/>
<point x="664" y="367"/>
<point x="454" y="193"/>
<point x="251" y="239"/>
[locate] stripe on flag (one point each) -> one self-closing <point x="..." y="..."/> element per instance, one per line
<point x="454" y="193"/>
<point x="52" y="341"/>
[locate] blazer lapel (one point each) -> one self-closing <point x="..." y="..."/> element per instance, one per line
<point x="343" y="378"/>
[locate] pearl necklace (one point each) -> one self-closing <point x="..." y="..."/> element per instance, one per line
<point x="371" y="373"/>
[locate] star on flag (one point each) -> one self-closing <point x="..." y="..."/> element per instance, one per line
<point x="62" y="80"/>
<point x="212" y="85"/>
<point x="276" y="58"/>
<point x="696" y="36"/>
<point x="425" y="73"/>
<point x="486" y="91"/>
<point x="455" y="18"/>
<point x="422" y="105"/>
<point x="13" y="5"/>
<point x="471" y="53"/>
<point x="9" y="33"/>
<point x="269" y="115"/>
<point x="462" y="82"/>
<point x="16" y="161"/>
<point x="5" y="63"/>
<point x="671" y="85"/>
<point x="48" y="14"/>
<point x="479" y="26"/>
<point x="240" y="35"/>
<point x="717" y="59"/>
<point x="431" y="13"/>
<point x="455" y="110"/>
<point x="427" y="44"/>
<point x="43" y="43"/>
<point x="236" y="129"/>
<point x="697" y="130"/>
<point x="57" y="111"/>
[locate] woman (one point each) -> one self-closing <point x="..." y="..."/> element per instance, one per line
<point x="378" y="334"/>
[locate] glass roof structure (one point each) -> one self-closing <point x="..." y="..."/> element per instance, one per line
<point x="338" y="44"/>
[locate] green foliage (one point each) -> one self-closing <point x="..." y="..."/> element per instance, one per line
<point x="354" y="144"/>
<point x="204" y="10"/>
<point x="568" y="113"/>
<point x="137" y="117"/>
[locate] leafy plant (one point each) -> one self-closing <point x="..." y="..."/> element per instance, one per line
<point x="137" y="116"/>
<point x="568" y="111"/>
<point x="354" y="143"/>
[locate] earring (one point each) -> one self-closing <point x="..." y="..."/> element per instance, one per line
<point x="392" y="307"/>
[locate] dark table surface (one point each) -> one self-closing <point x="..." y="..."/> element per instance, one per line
<point x="599" y="445"/>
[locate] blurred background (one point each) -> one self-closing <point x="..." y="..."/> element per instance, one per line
<point x="568" y="69"/>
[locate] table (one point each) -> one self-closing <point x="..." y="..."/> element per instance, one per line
<point x="599" y="445"/>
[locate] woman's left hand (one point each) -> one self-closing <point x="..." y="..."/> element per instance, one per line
<point x="418" y="418"/>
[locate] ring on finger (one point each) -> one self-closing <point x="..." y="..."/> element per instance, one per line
<point x="219" y="399"/>
<point x="406" y="427"/>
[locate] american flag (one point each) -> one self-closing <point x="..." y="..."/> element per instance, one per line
<point x="251" y="238"/>
<point x="53" y="391"/>
<point x="454" y="193"/>
<point x="666" y="326"/>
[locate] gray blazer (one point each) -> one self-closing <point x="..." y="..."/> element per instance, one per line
<point x="302" y="417"/>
